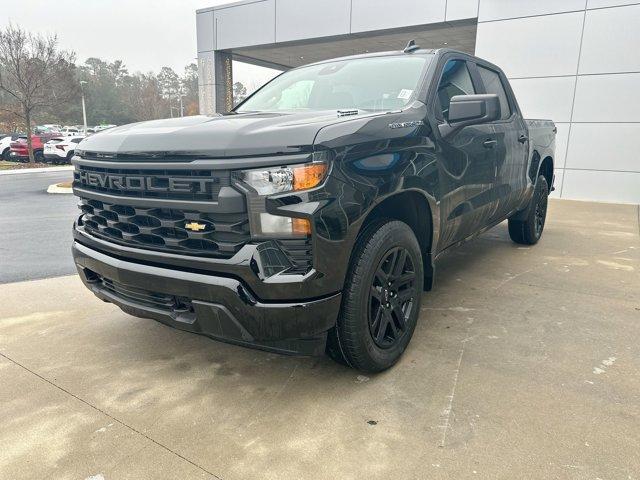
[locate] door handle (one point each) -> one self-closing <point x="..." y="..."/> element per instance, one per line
<point x="523" y="138"/>
<point x="489" y="143"/>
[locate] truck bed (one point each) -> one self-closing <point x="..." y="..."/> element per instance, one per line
<point x="542" y="133"/>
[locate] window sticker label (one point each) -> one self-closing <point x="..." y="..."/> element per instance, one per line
<point x="405" y="94"/>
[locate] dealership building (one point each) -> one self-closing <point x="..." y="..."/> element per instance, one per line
<point x="576" y="62"/>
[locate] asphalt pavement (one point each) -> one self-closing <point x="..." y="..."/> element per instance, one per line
<point x="35" y="238"/>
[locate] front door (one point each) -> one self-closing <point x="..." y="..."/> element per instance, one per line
<point x="466" y="160"/>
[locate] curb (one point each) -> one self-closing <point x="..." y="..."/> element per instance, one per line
<point x="56" y="189"/>
<point x="20" y="171"/>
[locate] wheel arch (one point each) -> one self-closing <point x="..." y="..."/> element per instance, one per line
<point x="541" y="167"/>
<point x="546" y="170"/>
<point x="413" y="208"/>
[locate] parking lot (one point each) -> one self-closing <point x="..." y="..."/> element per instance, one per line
<point x="36" y="234"/>
<point x="524" y="364"/>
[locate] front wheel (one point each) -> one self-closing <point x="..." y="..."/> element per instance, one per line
<point x="529" y="230"/>
<point x="381" y="299"/>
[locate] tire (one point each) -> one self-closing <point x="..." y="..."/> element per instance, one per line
<point x="529" y="230"/>
<point x="39" y="157"/>
<point x="68" y="159"/>
<point x="5" y="154"/>
<point x="381" y="298"/>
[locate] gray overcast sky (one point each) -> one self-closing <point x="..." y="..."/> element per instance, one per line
<point x="144" y="34"/>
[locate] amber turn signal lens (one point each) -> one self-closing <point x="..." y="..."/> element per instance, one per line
<point x="309" y="175"/>
<point x="301" y="226"/>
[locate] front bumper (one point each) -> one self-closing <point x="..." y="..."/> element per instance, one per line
<point x="220" y="307"/>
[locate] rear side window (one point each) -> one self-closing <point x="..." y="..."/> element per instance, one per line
<point x="493" y="84"/>
<point x="455" y="80"/>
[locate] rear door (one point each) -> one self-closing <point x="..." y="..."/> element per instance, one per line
<point x="466" y="159"/>
<point x="511" y="147"/>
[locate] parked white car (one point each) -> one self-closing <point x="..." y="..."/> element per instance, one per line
<point x="5" y="144"/>
<point x="70" y="131"/>
<point x="60" y="149"/>
<point x="99" y="128"/>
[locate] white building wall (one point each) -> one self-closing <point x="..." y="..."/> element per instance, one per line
<point x="578" y="63"/>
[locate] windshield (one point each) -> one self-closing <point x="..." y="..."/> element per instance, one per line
<point x="374" y="83"/>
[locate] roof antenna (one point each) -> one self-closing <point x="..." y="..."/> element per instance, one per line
<point x="411" y="47"/>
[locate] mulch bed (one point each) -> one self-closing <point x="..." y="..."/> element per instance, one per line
<point x="5" y="165"/>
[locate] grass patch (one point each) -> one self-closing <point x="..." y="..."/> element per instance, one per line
<point x="6" y="165"/>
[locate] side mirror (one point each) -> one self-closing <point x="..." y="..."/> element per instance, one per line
<point x="465" y="110"/>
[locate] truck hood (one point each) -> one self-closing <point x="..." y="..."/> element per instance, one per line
<point x="234" y="135"/>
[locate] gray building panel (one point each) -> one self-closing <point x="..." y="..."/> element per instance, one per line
<point x="370" y="15"/>
<point x="301" y="19"/>
<point x="245" y="24"/>
<point x="461" y="9"/>
<point x="505" y="9"/>
<point x="204" y="32"/>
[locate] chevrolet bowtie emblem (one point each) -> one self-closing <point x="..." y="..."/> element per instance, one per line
<point x="195" y="226"/>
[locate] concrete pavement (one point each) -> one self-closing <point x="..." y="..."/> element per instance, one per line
<point x="524" y="365"/>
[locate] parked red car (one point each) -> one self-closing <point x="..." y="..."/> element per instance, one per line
<point x="20" y="152"/>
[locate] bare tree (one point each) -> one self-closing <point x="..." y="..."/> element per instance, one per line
<point x="34" y="74"/>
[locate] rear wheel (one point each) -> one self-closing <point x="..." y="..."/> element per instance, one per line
<point x="529" y="230"/>
<point x="39" y="156"/>
<point x="5" y="153"/>
<point x="381" y="298"/>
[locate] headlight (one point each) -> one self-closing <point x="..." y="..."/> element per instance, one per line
<point x="269" y="181"/>
<point x="285" y="179"/>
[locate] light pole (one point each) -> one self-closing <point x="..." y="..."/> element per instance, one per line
<point x="84" y="109"/>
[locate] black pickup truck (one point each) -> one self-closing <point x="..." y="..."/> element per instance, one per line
<point x="310" y="217"/>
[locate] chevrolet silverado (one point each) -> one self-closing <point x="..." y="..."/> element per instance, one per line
<point x="309" y="218"/>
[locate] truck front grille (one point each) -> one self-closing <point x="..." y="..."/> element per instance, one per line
<point x="187" y="232"/>
<point x="138" y="295"/>
<point x="174" y="184"/>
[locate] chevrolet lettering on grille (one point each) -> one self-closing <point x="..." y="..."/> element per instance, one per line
<point x="144" y="183"/>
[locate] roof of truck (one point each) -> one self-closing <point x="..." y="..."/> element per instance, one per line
<point x="419" y="51"/>
<point x="422" y="51"/>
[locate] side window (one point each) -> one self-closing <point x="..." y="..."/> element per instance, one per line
<point x="493" y="84"/>
<point x="455" y="80"/>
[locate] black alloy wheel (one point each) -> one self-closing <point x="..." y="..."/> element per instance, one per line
<point x="381" y="297"/>
<point x="526" y="227"/>
<point x="392" y="297"/>
<point x="541" y="214"/>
